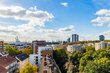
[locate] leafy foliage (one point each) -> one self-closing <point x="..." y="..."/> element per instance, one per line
<point x="60" y="57"/>
<point x="28" y="50"/>
<point x="98" y="66"/>
<point x="90" y="58"/>
<point x="108" y="48"/>
<point x="88" y="48"/>
<point x="28" y="68"/>
<point x="76" y="57"/>
<point x="12" y="51"/>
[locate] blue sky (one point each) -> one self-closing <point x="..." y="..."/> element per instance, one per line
<point x="64" y="18"/>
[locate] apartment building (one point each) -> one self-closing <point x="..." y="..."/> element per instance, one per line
<point x="101" y="45"/>
<point x="72" y="48"/>
<point x="33" y="59"/>
<point x="9" y="64"/>
<point x="36" y="44"/>
<point x="40" y="53"/>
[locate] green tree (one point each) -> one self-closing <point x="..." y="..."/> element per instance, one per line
<point x="12" y="51"/>
<point x="90" y="57"/>
<point x="28" y="68"/>
<point x="98" y="66"/>
<point x="60" y="57"/>
<point x="28" y="50"/>
<point x="108" y="48"/>
<point x="88" y="48"/>
<point x="76" y="57"/>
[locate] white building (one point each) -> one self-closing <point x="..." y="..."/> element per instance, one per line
<point x="101" y="45"/>
<point x="40" y="49"/>
<point x="33" y="59"/>
<point x="72" y="48"/>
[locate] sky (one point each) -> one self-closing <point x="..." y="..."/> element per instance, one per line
<point x="54" y="20"/>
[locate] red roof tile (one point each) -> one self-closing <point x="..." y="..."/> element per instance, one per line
<point x="6" y="60"/>
<point x="3" y="70"/>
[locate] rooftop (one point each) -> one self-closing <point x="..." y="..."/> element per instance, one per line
<point x="3" y="70"/>
<point x="6" y="60"/>
<point x="22" y="57"/>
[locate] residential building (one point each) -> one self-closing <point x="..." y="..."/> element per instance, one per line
<point x="72" y="48"/>
<point x="101" y="38"/>
<point x="101" y="45"/>
<point x="47" y="52"/>
<point x="36" y="44"/>
<point x="48" y="65"/>
<point x="22" y="60"/>
<point x="75" y="38"/>
<point x="9" y="63"/>
<point x="33" y="59"/>
<point x="40" y="49"/>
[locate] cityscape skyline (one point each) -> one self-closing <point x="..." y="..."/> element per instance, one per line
<point x="54" y="36"/>
<point x="31" y="20"/>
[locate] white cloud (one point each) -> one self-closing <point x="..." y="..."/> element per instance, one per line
<point x="35" y="18"/>
<point x="70" y="28"/>
<point x="105" y="12"/>
<point x="64" y="4"/>
<point x="33" y="29"/>
<point x="33" y="8"/>
<point x="103" y="17"/>
<point x="100" y="24"/>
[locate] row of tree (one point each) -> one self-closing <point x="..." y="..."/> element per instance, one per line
<point x="90" y="61"/>
<point x="12" y="51"/>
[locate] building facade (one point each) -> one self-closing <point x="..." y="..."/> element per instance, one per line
<point x="101" y="45"/>
<point x="33" y="59"/>
<point x="46" y="48"/>
<point x="36" y="44"/>
<point x="75" y="38"/>
<point x="72" y="48"/>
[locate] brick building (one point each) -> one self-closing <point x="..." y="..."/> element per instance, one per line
<point x="36" y="44"/>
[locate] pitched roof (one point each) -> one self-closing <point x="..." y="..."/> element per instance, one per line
<point x="3" y="70"/>
<point x="6" y="60"/>
<point x="22" y="57"/>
